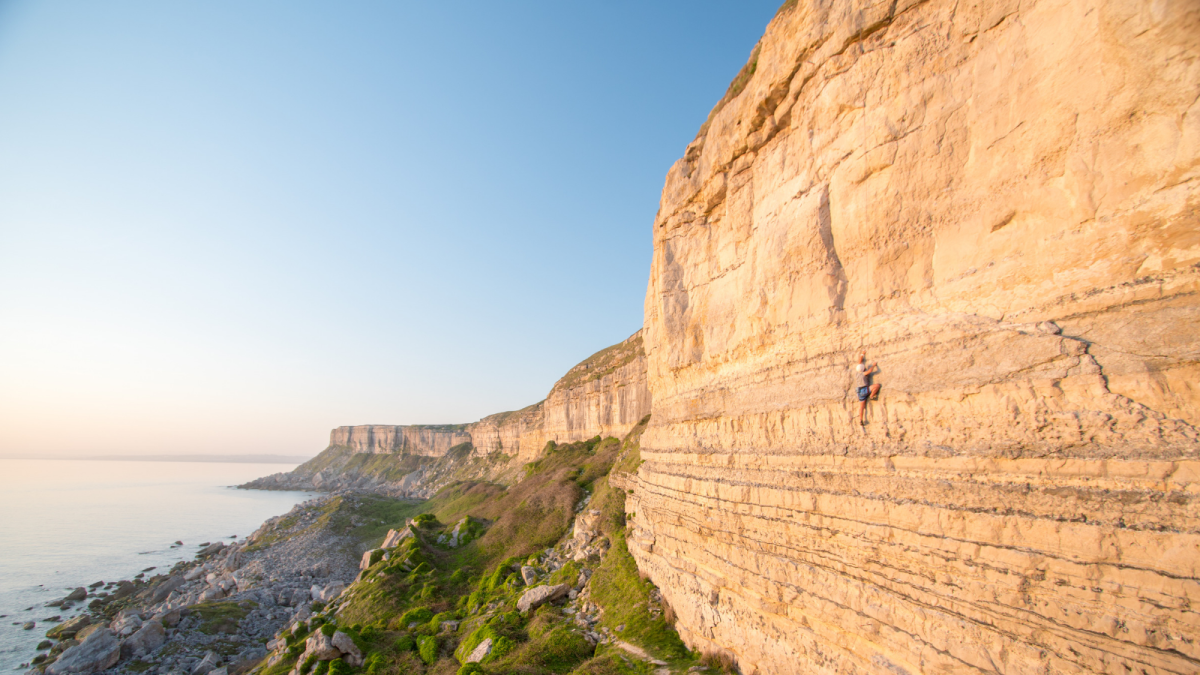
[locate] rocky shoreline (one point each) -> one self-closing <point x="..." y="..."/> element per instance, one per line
<point x="215" y="613"/>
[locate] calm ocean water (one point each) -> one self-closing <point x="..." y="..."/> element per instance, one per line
<point x="69" y="523"/>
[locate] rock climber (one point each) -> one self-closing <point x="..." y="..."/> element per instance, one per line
<point x="863" y="386"/>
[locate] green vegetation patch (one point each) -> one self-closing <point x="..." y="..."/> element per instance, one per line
<point x="222" y="617"/>
<point x="625" y="596"/>
<point x="401" y="609"/>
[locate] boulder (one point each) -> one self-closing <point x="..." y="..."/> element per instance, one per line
<point x="148" y="638"/>
<point x="529" y="575"/>
<point x="169" y="618"/>
<point x="29" y="625"/>
<point x="127" y="622"/>
<point x="211" y="549"/>
<point x="586" y="525"/>
<point x="333" y="590"/>
<point x="233" y="560"/>
<point x="163" y="590"/>
<point x="214" y="593"/>
<point x="76" y="595"/>
<point x="480" y="652"/>
<point x="206" y="664"/>
<point x="124" y="590"/>
<point x="87" y="631"/>
<point x="193" y="574"/>
<point x="540" y="595"/>
<point x="69" y="628"/>
<point x="68" y="643"/>
<point x="100" y="651"/>
<point x="394" y="537"/>
<point x="321" y="646"/>
<point x="371" y="557"/>
<point x="223" y="670"/>
<point x="351" y="654"/>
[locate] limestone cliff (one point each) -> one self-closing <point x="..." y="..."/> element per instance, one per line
<point x="605" y="395"/>
<point x="417" y="439"/>
<point x="998" y="201"/>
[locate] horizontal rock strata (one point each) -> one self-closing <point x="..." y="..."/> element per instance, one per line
<point x="998" y="202"/>
<point x="606" y="394"/>
<point x="417" y="439"/>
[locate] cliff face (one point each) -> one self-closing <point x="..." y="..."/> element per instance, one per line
<point x="998" y="201"/>
<point x="425" y="440"/>
<point x="606" y="394"/>
<point x="520" y="434"/>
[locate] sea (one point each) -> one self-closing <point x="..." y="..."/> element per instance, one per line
<point x="71" y="523"/>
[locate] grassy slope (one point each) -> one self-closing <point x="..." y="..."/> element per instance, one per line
<point x="397" y="607"/>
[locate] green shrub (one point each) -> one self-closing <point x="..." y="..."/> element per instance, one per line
<point x="406" y="644"/>
<point x="308" y="663"/>
<point x="339" y="667"/>
<point x="415" y="615"/>
<point x="501" y="647"/>
<point x="328" y="629"/>
<point x="498" y="576"/>
<point x="425" y="520"/>
<point x="471" y="669"/>
<point x="322" y="668"/>
<point x="427" y="647"/>
<point x="435" y="624"/>
<point x="376" y="662"/>
<point x="317" y="606"/>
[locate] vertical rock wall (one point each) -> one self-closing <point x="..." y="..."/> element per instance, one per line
<point x="519" y="433"/>
<point x="426" y="440"/>
<point x="606" y="394"/>
<point x="998" y="201"/>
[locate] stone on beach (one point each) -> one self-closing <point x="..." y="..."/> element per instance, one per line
<point x="69" y="628"/>
<point x="211" y="549"/>
<point x="100" y="651"/>
<point x="148" y="638"/>
<point x="163" y="590"/>
<point x="206" y="664"/>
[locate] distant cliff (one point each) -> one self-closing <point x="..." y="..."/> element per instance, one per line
<point x="426" y="440"/>
<point x="605" y="394"/>
<point x="998" y="201"/>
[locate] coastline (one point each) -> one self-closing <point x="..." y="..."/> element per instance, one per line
<point x="272" y="576"/>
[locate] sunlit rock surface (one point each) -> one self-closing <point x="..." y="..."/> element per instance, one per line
<point x="998" y="201"/>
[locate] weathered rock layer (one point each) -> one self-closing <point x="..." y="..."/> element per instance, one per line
<point x="998" y="201"/>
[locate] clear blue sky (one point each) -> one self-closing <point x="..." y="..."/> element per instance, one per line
<point x="230" y="226"/>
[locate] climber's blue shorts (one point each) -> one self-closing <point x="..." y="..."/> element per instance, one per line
<point x="863" y="393"/>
